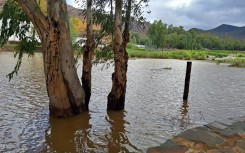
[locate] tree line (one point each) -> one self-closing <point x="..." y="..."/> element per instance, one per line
<point x="163" y="36"/>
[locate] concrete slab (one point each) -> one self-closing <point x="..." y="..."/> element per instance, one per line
<point x="224" y="150"/>
<point x="168" y="147"/>
<point x="238" y="125"/>
<point x="228" y="121"/>
<point x="227" y="130"/>
<point x="216" y="136"/>
<point x="242" y="135"/>
<point x="217" y="125"/>
<point x="239" y="119"/>
<point x="202" y="134"/>
<point x="241" y="144"/>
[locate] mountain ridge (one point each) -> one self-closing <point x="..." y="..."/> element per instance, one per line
<point x="225" y="30"/>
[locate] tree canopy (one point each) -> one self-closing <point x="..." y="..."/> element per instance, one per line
<point x="161" y="35"/>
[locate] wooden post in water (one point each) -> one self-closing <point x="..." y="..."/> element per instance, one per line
<point x="187" y="80"/>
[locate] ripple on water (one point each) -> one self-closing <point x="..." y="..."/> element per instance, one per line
<point x="154" y="109"/>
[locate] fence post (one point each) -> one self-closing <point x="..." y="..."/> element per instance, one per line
<point x="187" y="80"/>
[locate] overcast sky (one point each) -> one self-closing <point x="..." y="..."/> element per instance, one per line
<point x="204" y="14"/>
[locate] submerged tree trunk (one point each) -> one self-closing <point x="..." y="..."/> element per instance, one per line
<point x="116" y="98"/>
<point x="66" y="95"/>
<point x="88" y="56"/>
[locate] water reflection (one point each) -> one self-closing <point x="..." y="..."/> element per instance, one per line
<point x="117" y="138"/>
<point x="185" y="119"/>
<point x="76" y="134"/>
<point x="69" y="135"/>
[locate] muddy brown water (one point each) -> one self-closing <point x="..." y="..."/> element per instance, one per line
<point x="154" y="110"/>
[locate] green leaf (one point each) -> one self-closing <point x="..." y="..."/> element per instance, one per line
<point x="15" y="23"/>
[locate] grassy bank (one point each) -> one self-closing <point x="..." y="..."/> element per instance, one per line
<point x="183" y="54"/>
<point x="237" y="62"/>
<point x="219" y="56"/>
<point x="199" y="55"/>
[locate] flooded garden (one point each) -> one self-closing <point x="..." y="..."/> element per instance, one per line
<point x="154" y="109"/>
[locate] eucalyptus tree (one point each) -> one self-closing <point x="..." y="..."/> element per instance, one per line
<point x="88" y="55"/>
<point x="120" y="18"/>
<point x="95" y="14"/>
<point x="157" y="32"/>
<point x="106" y="19"/>
<point x="116" y="98"/>
<point x="123" y="10"/>
<point x="111" y="23"/>
<point x="66" y="95"/>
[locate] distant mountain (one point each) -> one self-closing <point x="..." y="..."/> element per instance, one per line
<point x="198" y="30"/>
<point x="139" y="27"/>
<point x="75" y="12"/>
<point x="225" y="30"/>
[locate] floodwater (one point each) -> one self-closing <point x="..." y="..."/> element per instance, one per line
<point x="154" y="110"/>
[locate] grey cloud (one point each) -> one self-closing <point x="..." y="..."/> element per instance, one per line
<point x="205" y="14"/>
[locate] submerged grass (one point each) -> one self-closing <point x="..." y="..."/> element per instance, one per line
<point x="238" y="63"/>
<point x="175" y="54"/>
<point x="183" y="54"/>
<point x="239" y="60"/>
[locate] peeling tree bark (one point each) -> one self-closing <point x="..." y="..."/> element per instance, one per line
<point x="116" y="98"/>
<point x="88" y="56"/>
<point x="66" y="95"/>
